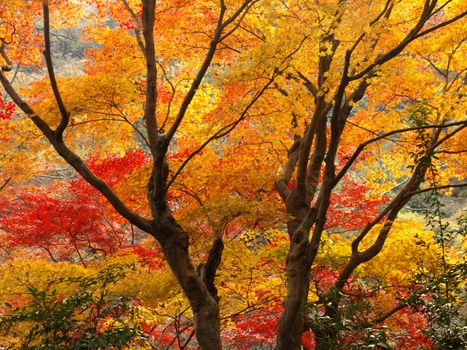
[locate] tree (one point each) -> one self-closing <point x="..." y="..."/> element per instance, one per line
<point x="303" y="83"/>
<point x="222" y="20"/>
<point x="342" y="73"/>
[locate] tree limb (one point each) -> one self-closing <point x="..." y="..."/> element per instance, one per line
<point x="5" y="184"/>
<point x="138" y="27"/>
<point x="76" y="162"/>
<point x="199" y="76"/>
<point x="360" y="147"/>
<point x="50" y="69"/>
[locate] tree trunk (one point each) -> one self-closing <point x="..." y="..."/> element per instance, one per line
<point x="291" y="323"/>
<point x="174" y="242"/>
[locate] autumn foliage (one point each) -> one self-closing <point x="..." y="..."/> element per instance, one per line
<point x="232" y="174"/>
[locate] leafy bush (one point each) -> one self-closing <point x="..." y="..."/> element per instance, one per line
<point x="92" y="317"/>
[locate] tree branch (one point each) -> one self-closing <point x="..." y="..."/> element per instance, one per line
<point x="384" y="316"/>
<point x="312" y="89"/>
<point x="442" y="187"/>
<point x="76" y="162"/>
<point x="5" y="184"/>
<point x="151" y="74"/>
<point x="360" y="147"/>
<point x="441" y="25"/>
<point x="223" y="131"/>
<point x="199" y="76"/>
<point x="282" y="183"/>
<point x="414" y="33"/>
<point x="138" y="27"/>
<point x="50" y="69"/>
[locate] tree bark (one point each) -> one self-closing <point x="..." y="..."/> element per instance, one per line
<point x="208" y="270"/>
<point x="174" y="242"/>
<point x="291" y="323"/>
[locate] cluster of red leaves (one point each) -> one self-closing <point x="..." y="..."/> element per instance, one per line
<point x="79" y="219"/>
<point x="6" y="109"/>
<point x="406" y="331"/>
<point x="350" y="209"/>
<point x="410" y="324"/>
<point x="114" y="168"/>
<point x="149" y="257"/>
<point x="259" y="328"/>
<point x="128" y="24"/>
<point x="168" y="337"/>
<point x="324" y="278"/>
<point x="255" y="328"/>
<point x="60" y="226"/>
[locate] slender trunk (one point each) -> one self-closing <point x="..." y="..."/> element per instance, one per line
<point x="208" y="270"/>
<point x="174" y="242"/>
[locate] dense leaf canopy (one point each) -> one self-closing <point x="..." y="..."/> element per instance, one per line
<point x="242" y="174"/>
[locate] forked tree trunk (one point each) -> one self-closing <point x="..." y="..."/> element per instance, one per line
<point x="174" y="242"/>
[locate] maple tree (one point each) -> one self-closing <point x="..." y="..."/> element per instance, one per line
<point x="177" y="123"/>
<point x="223" y="21"/>
<point x="346" y="65"/>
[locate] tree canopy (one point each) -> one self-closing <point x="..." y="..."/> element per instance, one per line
<point x="233" y="174"/>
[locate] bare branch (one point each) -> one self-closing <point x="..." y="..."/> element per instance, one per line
<point x="360" y="148"/>
<point x="451" y="134"/>
<point x="316" y="160"/>
<point x="199" y="76"/>
<point x="209" y="269"/>
<point x="385" y="316"/>
<point x="217" y="38"/>
<point x="385" y="11"/>
<point x="223" y="131"/>
<point x="40" y="123"/>
<point x="172" y="96"/>
<point x="312" y="89"/>
<point x="151" y="74"/>
<point x="245" y="5"/>
<point x="433" y="65"/>
<point x="281" y="184"/>
<point x="50" y="68"/>
<point x="126" y="120"/>
<point x="390" y="213"/>
<point x="138" y="27"/>
<point x="242" y="12"/>
<point x="414" y="33"/>
<point x="9" y="64"/>
<point x="441" y="25"/>
<point x="5" y="184"/>
<point x="443" y="187"/>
